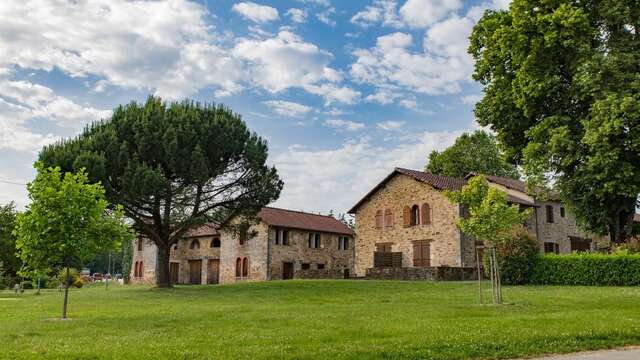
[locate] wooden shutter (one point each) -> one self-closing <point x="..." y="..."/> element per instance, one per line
<point x="426" y="214"/>
<point x="421" y="253"/>
<point x="379" y="219"/>
<point x="406" y="216"/>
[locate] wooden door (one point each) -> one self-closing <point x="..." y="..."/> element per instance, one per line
<point x="213" y="271"/>
<point x="195" y="271"/>
<point x="174" y="270"/>
<point x="421" y="253"/>
<point x="287" y="270"/>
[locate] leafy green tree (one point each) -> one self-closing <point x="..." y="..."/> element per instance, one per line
<point x="477" y="152"/>
<point x="562" y="90"/>
<point x="490" y="219"/>
<point x="10" y="261"/>
<point x="66" y="222"/>
<point x="173" y="167"/>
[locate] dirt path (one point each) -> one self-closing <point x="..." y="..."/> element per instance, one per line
<point x="630" y="353"/>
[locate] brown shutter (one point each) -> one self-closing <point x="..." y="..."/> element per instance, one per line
<point x="426" y="214"/>
<point x="379" y="219"/>
<point x="417" y="256"/>
<point x="406" y="216"/>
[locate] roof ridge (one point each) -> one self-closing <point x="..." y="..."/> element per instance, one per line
<point x="299" y="212"/>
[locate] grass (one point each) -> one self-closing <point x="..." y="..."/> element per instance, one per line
<point x="317" y="319"/>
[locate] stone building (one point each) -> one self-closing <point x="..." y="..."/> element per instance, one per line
<point x="283" y="244"/>
<point x="406" y="222"/>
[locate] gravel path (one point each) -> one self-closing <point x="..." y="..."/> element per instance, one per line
<point x="630" y="353"/>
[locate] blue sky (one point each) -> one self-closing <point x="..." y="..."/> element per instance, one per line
<point x="344" y="91"/>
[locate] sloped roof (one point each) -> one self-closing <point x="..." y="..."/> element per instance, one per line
<point x="439" y="182"/>
<point x="209" y="229"/>
<point x="506" y="182"/>
<point x="303" y="221"/>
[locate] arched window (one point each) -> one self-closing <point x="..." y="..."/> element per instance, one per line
<point x="141" y="270"/>
<point x="238" y="267"/>
<point x="415" y="215"/>
<point x="245" y="267"/>
<point x="195" y="244"/>
<point x="139" y="244"/>
<point x="379" y="219"/>
<point x="388" y="218"/>
<point x="426" y="214"/>
<point x="215" y="243"/>
<point x="135" y="270"/>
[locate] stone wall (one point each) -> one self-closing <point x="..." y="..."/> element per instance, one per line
<point x="446" y="247"/>
<point x="255" y="249"/>
<point x="181" y="253"/>
<point x="441" y="273"/>
<point x="321" y="274"/>
<point x="148" y="256"/>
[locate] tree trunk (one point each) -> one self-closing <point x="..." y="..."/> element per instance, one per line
<point x="66" y="294"/>
<point x="163" y="279"/>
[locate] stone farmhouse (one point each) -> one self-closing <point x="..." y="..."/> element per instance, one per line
<point x="406" y="222"/>
<point x="283" y="244"/>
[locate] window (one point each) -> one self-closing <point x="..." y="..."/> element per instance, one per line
<point x="314" y="241"/>
<point x="305" y="266"/>
<point x="383" y="247"/>
<point x="421" y="253"/>
<point x="238" y="267"/>
<point x="379" y="219"/>
<point x="195" y="244"/>
<point x="244" y="233"/>
<point x="426" y="214"/>
<point x="562" y="212"/>
<point x="388" y="218"/>
<point x="215" y="243"/>
<point x="549" y="214"/>
<point x="138" y="270"/>
<point x="282" y="237"/>
<point x="579" y="244"/>
<point x="320" y="266"/>
<point x="343" y="243"/>
<point x="139" y="244"/>
<point x="135" y="270"/>
<point x="245" y="267"/>
<point x="415" y="215"/>
<point x="551" y="247"/>
<point x="175" y="247"/>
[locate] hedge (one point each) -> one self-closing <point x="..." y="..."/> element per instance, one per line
<point x="587" y="269"/>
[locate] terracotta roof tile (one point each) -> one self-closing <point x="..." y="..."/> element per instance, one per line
<point x="204" y="230"/>
<point x="303" y="221"/>
<point x="506" y="182"/>
<point x="439" y="182"/>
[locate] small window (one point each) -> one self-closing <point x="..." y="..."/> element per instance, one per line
<point x="282" y="237"/>
<point x="383" y="247"/>
<point x="175" y="247"/>
<point x="215" y="243"/>
<point x="551" y="247"/>
<point x="244" y="233"/>
<point x="139" y="244"/>
<point x="343" y="243"/>
<point x="314" y="241"/>
<point x="379" y="219"/>
<point x="238" y="267"/>
<point x="245" y="267"/>
<point x="306" y="266"/>
<point x="320" y="266"/>
<point x="388" y="218"/>
<point x="415" y="215"/>
<point x="549" y="214"/>
<point x="562" y="212"/>
<point x="195" y="244"/>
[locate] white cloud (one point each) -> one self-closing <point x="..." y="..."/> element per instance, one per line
<point x="288" y="108"/>
<point x="316" y="2"/>
<point x="408" y="103"/>
<point x="383" y="96"/>
<point x="423" y="13"/>
<point x="344" y="124"/>
<point x="383" y="11"/>
<point x="471" y="99"/>
<point x="390" y="125"/>
<point x="325" y="16"/>
<point x="341" y="176"/>
<point x="450" y="38"/>
<point x="501" y="4"/>
<point x="256" y="12"/>
<point x="297" y="15"/>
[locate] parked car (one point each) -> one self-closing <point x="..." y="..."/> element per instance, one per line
<point x="98" y="277"/>
<point x="119" y="276"/>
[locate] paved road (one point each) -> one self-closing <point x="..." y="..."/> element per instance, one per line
<point x="620" y="354"/>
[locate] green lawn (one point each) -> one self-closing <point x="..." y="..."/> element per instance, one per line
<point x="317" y="319"/>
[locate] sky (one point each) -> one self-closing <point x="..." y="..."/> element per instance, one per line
<point x="344" y="91"/>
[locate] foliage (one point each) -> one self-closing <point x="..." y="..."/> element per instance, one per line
<point x="367" y="320"/>
<point x="66" y="220"/>
<point x="73" y="279"/>
<point x="127" y="258"/>
<point x="8" y="258"/>
<point x="342" y="217"/>
<point x="490" y="219"/>
<point x="477" y="152"/>
<point x="173" y="167"/>
<point x="100" y="262"/>
<point x="517" y="258"/>
<point x="6" y="281"/>
<point x="588" y="269"/>
<point x="562" y="92"/>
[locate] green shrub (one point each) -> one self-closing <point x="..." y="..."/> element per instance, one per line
<point x="588" y="269"/>
<point x="516" y="257"/>
<point x="74" y="277"/>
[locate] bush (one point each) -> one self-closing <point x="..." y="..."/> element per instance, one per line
<point x="516" y="257"/>
<point x="74" y="277"/>
<point x="620" y="269"/>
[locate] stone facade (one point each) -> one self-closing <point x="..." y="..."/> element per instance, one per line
<point x="447" y="248"/>
<point x="266" y="259"/>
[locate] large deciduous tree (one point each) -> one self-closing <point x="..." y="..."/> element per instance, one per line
<point x="8" y="258"/>
<point x="562" y="90"/>
<point x="67" y="222"/>
<point x="477" y="152"/>
<point x="173" y="167"/>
